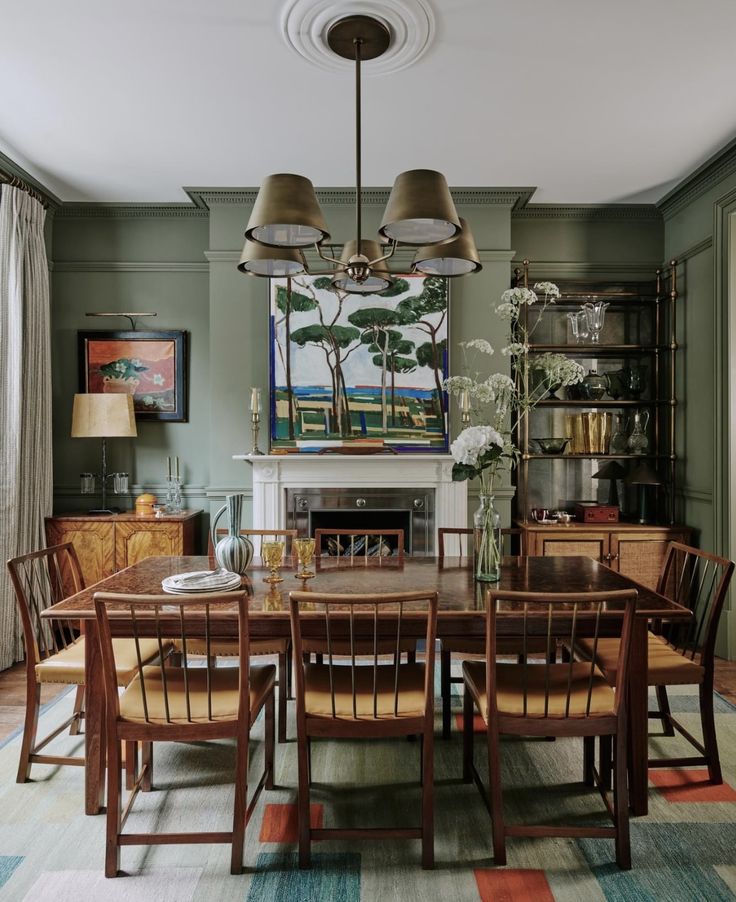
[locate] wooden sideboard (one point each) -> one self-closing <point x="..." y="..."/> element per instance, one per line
<point x="631" y="549"/>
<point x="106" y="544"/>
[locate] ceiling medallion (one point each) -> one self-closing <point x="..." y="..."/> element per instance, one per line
<point x="305" y="25"/>
<point x="420" y="212"/>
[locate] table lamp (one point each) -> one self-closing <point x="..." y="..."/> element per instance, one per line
<point x="642" y="476"/>
<point x="613" y="471"/>
<point x="103" y="416"/>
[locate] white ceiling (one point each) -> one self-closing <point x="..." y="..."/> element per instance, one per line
<point x="593" y="101"/>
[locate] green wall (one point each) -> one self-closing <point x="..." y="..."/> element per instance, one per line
<point x="696" y="233"/>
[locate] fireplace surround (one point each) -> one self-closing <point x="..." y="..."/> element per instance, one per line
<point x="413" y="488"/>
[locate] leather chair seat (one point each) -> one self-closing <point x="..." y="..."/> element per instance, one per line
<point x="224" y="648"/>
<point x="363" y="647"/>
<point x="666" y="666"/>
<point x="224" y="684"/>
<point x="504" y="647"/>
<point x="67" y="666"/>
<point x="318" y="698"/>
<point x="510" y="690"/>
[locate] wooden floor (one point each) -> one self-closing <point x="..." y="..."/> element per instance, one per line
<point x="13" y="692"/>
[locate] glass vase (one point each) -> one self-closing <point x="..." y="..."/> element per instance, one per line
<point x="487" y="536"/>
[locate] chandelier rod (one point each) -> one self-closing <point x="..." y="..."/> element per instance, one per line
<point x="357" y="43"/>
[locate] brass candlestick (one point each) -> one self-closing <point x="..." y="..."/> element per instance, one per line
<point x="255" y="419"/>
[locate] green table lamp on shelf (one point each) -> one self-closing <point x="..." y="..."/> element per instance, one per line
<point x="103" y="416"/>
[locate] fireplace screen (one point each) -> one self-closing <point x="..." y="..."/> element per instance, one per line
<point x="319" y="508"/>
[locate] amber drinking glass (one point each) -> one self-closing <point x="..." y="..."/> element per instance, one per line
<point x="304" y="554"/>
<point x="273" y="557"/>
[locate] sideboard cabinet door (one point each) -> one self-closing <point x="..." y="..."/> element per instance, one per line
<point x="92" y="540"/>
<point x="135" y="541"/>
<point x="640" y="555"/>
<point x="564" y="543"/>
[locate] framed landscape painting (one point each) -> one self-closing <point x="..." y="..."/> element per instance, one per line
<point x="347" y="369"/>
<point x="151" y="366"/>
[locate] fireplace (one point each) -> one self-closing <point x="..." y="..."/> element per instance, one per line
<point x="308" y="509"/>
<point x="400" y="488"/>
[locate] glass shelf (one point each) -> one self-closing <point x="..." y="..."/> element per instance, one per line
<point x="599" y="350"/>
<point x="604" y="403"/>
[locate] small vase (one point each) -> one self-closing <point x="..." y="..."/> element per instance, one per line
<point x="233" y="552"/>
<point x="487" y="535"/>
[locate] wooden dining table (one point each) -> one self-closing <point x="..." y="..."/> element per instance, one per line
<point x="461" y="614"/>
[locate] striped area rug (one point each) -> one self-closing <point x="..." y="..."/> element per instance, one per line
<point x="684" y="851"/>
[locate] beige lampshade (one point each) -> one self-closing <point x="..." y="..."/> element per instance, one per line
<point x="103" y="416"/>
<point x="420" y="209"/>
<point x="274" y="262"/>
<point x="453" y="258"/>
<point x="378" y="280"/>
<point x="286" y="213"/>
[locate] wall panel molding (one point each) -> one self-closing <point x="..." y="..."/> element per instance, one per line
<point x="129" y="266"/>
<point x="694" y="249"/>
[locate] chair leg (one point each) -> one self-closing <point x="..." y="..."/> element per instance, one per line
<point x="131" y="764"/>
<point x="446" y="692"/>
<point x="240" y="806"/>
<point x="664" y="710"/>
<point x="78" y="710"/>
<point x="270" y="744"/>
<point x="283" y="693"/>
<point x="427" y="746"/>
<point x="468" y="712"/>
<point x="30" y="728"/>
<point x="710" y="741"/>
<point x="147" y="762"/>
<point x="621" y="804"/>
<point x="588" y="759"/>
<point x="411" y="656"/>
<point x="114" y="805"/>
<point x="305" y="857"/>
<point x="606" y="759"/>
<point x="495" y="797"/>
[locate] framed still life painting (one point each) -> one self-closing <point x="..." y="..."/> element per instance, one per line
<point x="151" y="366"/>
<point x="347" y="369"/>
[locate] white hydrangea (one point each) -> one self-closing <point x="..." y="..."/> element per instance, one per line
<point x="478" y="344"/>
<point x="473" y="442"/>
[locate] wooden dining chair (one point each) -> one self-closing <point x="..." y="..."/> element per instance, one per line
<point x="680" y="654"/>
<point x="571" y="699"/>
<point x="366" y="545"/>
<point x="181" y="704"/>
<point x="372" y="699"/>
<point x="259" y="647"/>
<point x="54" y="651"/>
<point x="460" y="545"/>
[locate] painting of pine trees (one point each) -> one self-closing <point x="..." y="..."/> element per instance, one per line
<point x="347" y="368"/>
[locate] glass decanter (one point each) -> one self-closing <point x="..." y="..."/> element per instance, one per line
<point x="619" y="439"/>
<point x="579" y="325"/>
<point x="638" y="442"/>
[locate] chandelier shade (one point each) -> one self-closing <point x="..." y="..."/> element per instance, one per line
<point x="286" y="213"/>
<point x="457" y="257"/>
<point x="420" y="209"/>
<point x="262" y="260"/>
<point x="354" y="261"/>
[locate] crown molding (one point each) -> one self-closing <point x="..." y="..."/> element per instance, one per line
<point x="718" y="167"/>
<point x="589" y="212"/>
<point x="127" y="266"/>
<point x="130" y="211"/>
<point x="205" y="198"/>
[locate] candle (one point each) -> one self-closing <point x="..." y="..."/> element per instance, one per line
<point x="465" y="400"/>
<point x="176" y="467"/>
<point x="168" y="468"/>
<point x="255" y="400"/>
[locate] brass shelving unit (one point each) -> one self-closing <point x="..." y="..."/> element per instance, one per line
<point x="656" y="301"/>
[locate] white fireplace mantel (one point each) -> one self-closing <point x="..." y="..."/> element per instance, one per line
<point x="273" y="474"/>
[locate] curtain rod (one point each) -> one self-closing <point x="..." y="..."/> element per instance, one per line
<point x="15" y="182"/>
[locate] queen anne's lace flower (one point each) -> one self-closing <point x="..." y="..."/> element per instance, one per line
<point x="515" y="348"/>
<point x="455" y="384"/>
<point x="473" y="442"/>
<point x="550" y="291"/>
<point x="558" y="369"/>
<point x="478" y="344"/>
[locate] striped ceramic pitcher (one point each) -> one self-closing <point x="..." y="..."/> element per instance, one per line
<point x="232" y="552"/>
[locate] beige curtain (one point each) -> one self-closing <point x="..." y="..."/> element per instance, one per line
<point x="25" y="396"/>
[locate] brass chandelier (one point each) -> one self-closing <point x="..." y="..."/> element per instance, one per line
<point x="420" y="212"/>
